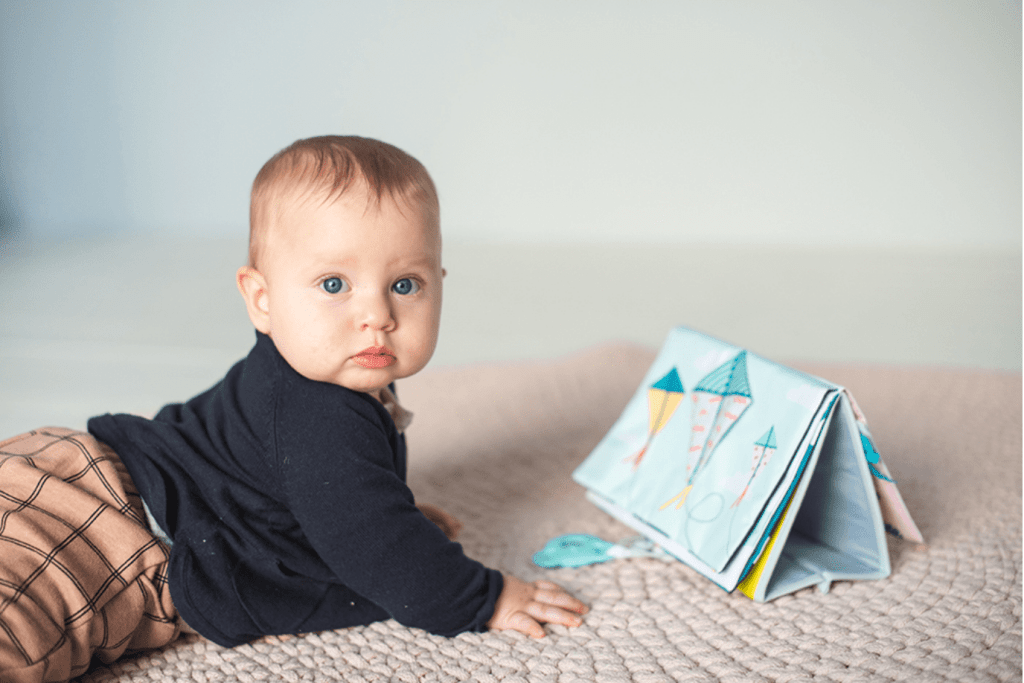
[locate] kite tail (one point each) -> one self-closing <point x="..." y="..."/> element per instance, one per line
<point x="743" y="493"/>
<point x="681" y="497"/>
<point x="635" y="459"/>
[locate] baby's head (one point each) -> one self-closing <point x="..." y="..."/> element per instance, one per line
<point x="344" y="269"/>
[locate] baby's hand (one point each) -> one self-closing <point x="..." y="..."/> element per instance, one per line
<point x="450" y="525"/>
<point x="525" y="606"/>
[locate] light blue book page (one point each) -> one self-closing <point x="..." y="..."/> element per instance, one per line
<point x="802" y="463"/>
<point x="610" y="468"/>
<point x="748" y="553"/>
<point x="704" y="443"/>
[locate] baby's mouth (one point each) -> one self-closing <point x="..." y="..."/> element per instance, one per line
<point x="375" y="357"/>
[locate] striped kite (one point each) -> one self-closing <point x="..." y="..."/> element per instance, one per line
<point x="718" y="401"/>
<point x="764" y="448"/>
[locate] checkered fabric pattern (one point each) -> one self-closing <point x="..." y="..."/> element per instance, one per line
<point x="80" y="573"/>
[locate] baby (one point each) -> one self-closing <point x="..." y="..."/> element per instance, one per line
<point x="281" y="490"/>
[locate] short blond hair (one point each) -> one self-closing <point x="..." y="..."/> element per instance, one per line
<point x="328" y="166"/>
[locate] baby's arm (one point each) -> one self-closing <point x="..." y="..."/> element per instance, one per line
<point x="524" y="606"/>
<point x="521" y="606"/>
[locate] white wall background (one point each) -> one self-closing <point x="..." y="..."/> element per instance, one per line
<point x="869" y="123"/>
<point x="851" y="169"/>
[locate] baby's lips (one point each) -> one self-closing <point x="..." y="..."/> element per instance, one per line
<point x="375" y="357"/>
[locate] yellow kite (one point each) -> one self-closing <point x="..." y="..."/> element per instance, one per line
<point x="663" y="398"/>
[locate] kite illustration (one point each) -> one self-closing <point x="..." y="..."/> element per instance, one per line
<point x="764" y="448"/>
<point x="718" y="401"/>
<point x="663" y="398"/>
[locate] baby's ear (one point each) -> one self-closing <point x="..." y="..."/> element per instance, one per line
<point x="253" y="287"/>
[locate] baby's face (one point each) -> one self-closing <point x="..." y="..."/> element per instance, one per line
<point x="353" y="291"/>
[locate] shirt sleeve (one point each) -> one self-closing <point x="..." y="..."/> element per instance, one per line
<point x="341" y="479"/>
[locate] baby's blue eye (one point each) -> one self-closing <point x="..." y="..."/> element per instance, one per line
<point x="332" y="285"/>
<point x="405" y="286"/>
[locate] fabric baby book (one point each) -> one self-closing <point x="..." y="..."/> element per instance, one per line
<point x="757" y="475"/>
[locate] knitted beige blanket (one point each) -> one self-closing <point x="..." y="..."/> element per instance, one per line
<point x="495" y="445"/>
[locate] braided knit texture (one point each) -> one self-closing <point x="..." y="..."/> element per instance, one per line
<point x="495" y="445"/>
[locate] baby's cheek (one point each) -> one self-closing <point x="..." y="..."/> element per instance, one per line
<point x="416" y="356"/>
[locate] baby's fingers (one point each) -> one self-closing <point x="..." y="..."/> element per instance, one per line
<point x="526" y="606"/>
<point x="548" y="613"/>
<point x="554" y="594"/>
<point x="525" y="624"/>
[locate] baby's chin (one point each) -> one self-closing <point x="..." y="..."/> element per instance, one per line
<point x="363" y="379"/>
<point x="367" y="381"/>
<point x="364" y="387"/>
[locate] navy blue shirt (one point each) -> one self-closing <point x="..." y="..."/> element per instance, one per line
<point x="288" y="508"/>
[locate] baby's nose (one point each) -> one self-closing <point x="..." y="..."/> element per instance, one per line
<point x="376" y="314"/>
